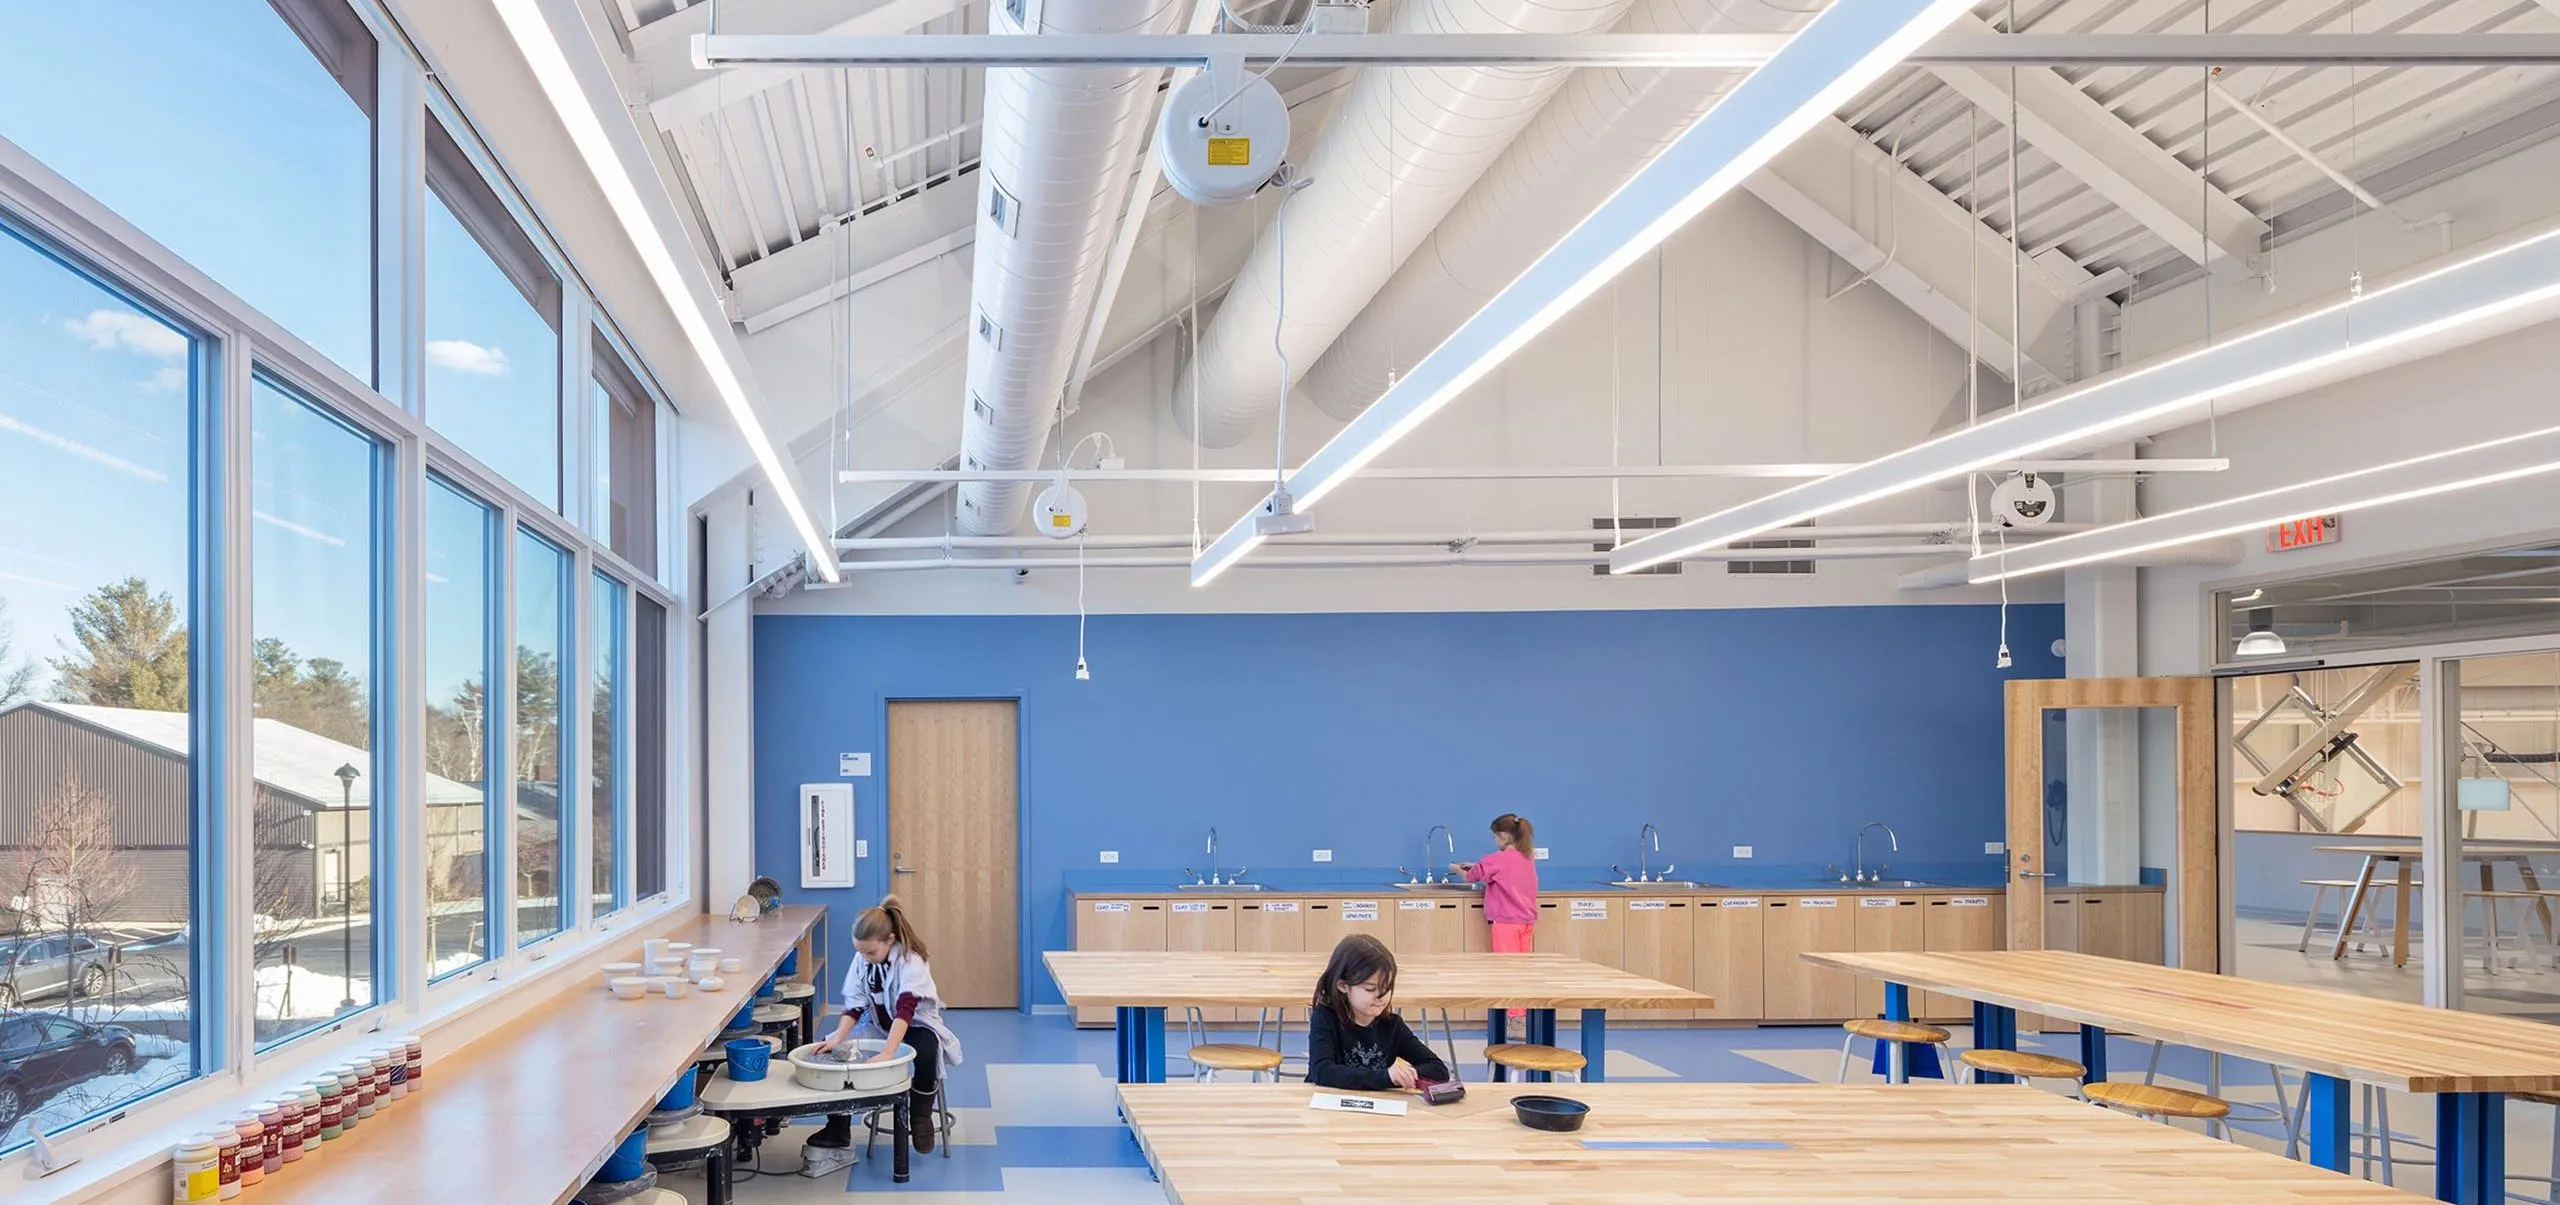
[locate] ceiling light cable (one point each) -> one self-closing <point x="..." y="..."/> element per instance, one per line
<point x="1973" y="309"/>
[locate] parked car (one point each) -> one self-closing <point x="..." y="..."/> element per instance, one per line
<point x="35" y="968"/>
<point x="42" y="1054"/>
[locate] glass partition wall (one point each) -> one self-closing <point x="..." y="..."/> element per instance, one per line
<point x="330" y="602"/>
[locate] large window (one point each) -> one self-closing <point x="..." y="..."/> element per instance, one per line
<point x="316" y="501"/>
<point x="605" y="773"/>
<point x="625" y="436"/>
<point x="493" y="328"/>
<point x="236" y="132"/>
<point x="542" y="735"/>
<point x="461" y="648"/>
<point x="97" y="808"/>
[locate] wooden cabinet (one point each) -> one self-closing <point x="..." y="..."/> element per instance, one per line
<point x="1107" y="924"/>
<point x="1430" y="926"/>
<point x="1589" y="927"/>
<point x="1726" y="956"/>
<point x="1331" y="918"/>
<point x="1271" y="926"/>
<point x="1477" y="936"/>
<point x="1796" y="990"/>
<point x="1886" y="924"/>
<point x="1951" y="923"/>
<point x="1659" y="941"/>
<point x="2122" y="924"/>
<point x="1201" y="925"/>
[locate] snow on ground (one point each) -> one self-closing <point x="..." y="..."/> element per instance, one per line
<point x="296" y="993"/>
<point x="94" y="1096"/>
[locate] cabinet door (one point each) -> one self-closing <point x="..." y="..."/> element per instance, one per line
<point x="2146" y="937"/>
<point x="1271" y="926"/>
<point x="1727" y="958"/>
<point x="1886" y="924"/>
<point x="1477" y="938"/>
<point x="1660" y="943"/>
<point x="1591" y="928"/>
<point x="1952" y="923"/>
<point x="1796" y="990"/>
<point x="1117" y="925"/>
<point x="1204" y="925"/>
<point x="1332" y="919"/>
<point x="2062" y="931"/>
<point x="1429" y="926"/>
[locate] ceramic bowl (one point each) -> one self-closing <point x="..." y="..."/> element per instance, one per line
<point x="676" y="988"/>
<point x="732" y="966"/>
<point x="710" y="983"/>
<point x="616" y="970"/>
<point x="630" y="987"/>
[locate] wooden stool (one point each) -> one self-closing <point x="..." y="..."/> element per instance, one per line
<point x="2021" y="1063"/>
<point x="2159" y="1103"/>
<point x="1906" y="1032"/>
<point x="700" y="1139"/>
<point x="1208" y="1058"/>
<point x="1521" y="1056"/>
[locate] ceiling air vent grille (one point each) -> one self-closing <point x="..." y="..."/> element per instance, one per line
<point x="1628" y="529"/>
<point x="1799" y="568"/>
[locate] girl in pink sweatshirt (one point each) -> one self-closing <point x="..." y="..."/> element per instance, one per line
<point x="1510" y="881"/>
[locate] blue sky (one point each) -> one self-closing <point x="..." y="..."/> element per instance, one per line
<point x="208" y="125"/>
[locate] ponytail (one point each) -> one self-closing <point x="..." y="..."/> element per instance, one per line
<point x="888" y="922"/>
<point x="1523" y="838"/>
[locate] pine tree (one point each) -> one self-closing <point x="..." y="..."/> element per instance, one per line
<point x="130" y="650"/>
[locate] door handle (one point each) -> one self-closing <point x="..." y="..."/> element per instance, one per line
<point x="2035" y="874"/>
<point x="902" y="870"/>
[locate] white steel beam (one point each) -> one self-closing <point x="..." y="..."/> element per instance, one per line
<point x="1517" y="472"/>
<point x="680" y="90"/>
<point x="2089" y="141"/>
<point x="1815" y="184"/>
<point x="797" y="279"/>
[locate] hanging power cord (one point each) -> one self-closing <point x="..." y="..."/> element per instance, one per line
<point x="1304" y="28"/>
<point x="1084" y="673"/>
<point x="1192" y="332"/>
<point x="1973" y="329"/>
<point x="1289" y="184"/>
<point x="2017" y="328"/>
<point x="2204" y="215"/>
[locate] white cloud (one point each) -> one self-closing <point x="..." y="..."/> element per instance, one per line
<point x="309" y="533"/>
<point x="167" y="380"/>
<point x="109" y="330"/>
<point x="463" y="355"/>
<point x="83" y="451"/>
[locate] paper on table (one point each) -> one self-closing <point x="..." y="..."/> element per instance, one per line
<point x="1340" y="1103"/>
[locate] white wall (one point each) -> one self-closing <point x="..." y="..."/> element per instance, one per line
<point x="1759" y="367"/>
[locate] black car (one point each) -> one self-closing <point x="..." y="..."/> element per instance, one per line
<point x="41" y="1054"/>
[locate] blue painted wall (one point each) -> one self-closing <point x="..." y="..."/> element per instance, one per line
<point x="1781" y="729"/>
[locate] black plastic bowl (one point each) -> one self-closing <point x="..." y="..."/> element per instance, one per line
<point x="1550" y="1112"/>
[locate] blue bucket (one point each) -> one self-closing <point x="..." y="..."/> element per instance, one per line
<point x="680" y="1096"/>
<point x="768" y="992"/>
<point x="748" y="1058"/>
<point x="745" y="1021"/>
<point x="629" y="1160"/>
<point x="791" y="962"/>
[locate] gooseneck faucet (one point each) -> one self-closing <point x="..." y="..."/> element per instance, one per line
<point x="1213" y="857"/>
<point x="1443" y="831"/>
<point x="1862" y="875"/>
<point x="1648" y="843"/>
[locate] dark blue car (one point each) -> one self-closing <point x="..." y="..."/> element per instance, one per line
<point x="41" y="1054"/>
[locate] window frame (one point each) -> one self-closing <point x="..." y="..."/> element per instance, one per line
<point x="496" y="721"/>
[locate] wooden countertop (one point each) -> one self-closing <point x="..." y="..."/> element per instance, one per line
<point x="1551" y="893"/>
<point x="1248" y="1144"/>
<point x="1153" y="979"/>
<point x="2404" y="1046"/>
<point x="529" y="1111"/>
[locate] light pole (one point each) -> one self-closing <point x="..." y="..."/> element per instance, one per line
<point x="347" y="776"/>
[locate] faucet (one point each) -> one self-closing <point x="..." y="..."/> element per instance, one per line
<point x="1443" y="831"/>
<point x="1861" y="875"/>
<point x="1644" y="852"/>
<point x="1213" y="857"/>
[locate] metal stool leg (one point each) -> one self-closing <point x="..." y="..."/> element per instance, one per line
<point x="1845" y="1040"/>
<point x="2319" y="892"/>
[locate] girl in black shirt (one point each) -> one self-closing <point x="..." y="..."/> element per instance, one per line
<point x="1354" y="1039"/>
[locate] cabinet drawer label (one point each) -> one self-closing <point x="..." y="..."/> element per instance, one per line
<point x="1970" y="901"/>
<point x="1113" y="906"/>
<point x="1873" y="901"/>
<point x="1648" y="905"/>
<point x="1281" y="906"/>
<point x="1191" y="905"/>
<point x="1581" y="913"/>
<point x="1413" y="905"/>
<point x="1584" y="905"/>
<point x="1742" y="901"/>
<point x="1359" y="912"/>
<point x="1820" y="902"/>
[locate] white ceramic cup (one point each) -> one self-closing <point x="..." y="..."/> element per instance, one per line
<point x="676" y="988"/>
<point x="652" y="950"/>
<point x="733" y="965"/>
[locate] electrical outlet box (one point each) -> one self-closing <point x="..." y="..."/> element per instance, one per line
<point x="1742" y="851"/>
<point x="1340" y="16"/>
<point x="1324" y="855"/>
<point x="1110" y="857"/>
<point x="862" y="847"/>
<point x="1995" y="847"/>
<point x="1541" y="854"/>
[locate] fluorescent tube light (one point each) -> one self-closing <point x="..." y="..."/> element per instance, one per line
<point x="1829" y="61"/>
<point x="2504" y="459"/>
<point x="2475" y="290"/>
<point x="550" y="63"/>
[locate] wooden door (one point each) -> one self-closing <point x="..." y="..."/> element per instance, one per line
<point x="1886" y="924"/>
<point x="1954" y="923"/>
<point x="1796" y="990"/>
<point x="1727" y="958"/>
<point x="1202" y="925"/>
<point x="1660" y="942"/>
<point x="1430" y="926"/>
<point x="1103" y="924"/>
<point x="952" y="844"/>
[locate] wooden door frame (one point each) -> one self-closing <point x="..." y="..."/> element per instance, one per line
<point x="2198" y="873"/>
<point x="1026" y="957"/>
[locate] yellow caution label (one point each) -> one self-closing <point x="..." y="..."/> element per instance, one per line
<point x="1230" y="152"/>
<point x="1061" y="521"/>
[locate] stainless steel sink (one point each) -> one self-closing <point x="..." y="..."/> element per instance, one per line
<point x="1872" y="884"/>
<point x="1658" y="884"/>
<point x="1220" y="888"/>
<point x="1469" y="888"/>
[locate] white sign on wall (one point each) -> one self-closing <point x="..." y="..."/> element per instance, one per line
<point x="853" y="765"/>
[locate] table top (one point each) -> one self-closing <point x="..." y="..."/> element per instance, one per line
<point x="779" y="1090"/>
<point x="1260" y="1144"/>
<point x="2404" y="1046"/>
<point x="2470" y="849"/>
<point x="1154" y="978"/>
<point x="529" y="1111"/>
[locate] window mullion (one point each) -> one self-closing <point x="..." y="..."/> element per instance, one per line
<point x="401" y="912"/>
<point x="228" y="964"/>
<point x="400" y="234"/>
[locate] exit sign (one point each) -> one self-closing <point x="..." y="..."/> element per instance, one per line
<point x="2303" y="533"/>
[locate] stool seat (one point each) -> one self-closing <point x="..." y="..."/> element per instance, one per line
<point x="1235" y="1056"/>
<point x="2155" y="1101"/>
<point x="774" y="1014"/>
<point x="1521" y="1056"/>
<point x="2022" y="1063"/>
<point x="692" y="1136"/>
<point x="2539" y="1098"/>
<point x="794" y="991"/>
<point x="1895" y="1031"/>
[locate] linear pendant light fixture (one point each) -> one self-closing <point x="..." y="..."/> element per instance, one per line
<point x="1848" y="47"/>
<point x="694" y="311"/>
<point x="2476" y="290"/>
<point x="2486" y="463"/>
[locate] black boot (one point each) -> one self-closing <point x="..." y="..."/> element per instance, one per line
<point x="836" y="1134"/>
<point x="922" y="1130"/>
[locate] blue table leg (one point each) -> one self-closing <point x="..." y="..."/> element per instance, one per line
<point x="2471" y="1147"/>
<point x="1124" y="1030"/>
<point x="2328" y="1120"/>
<point x="1151" y="1045"/>
<point x="2093" y="1052"/>
<point x="1995" y="1027"/>
<point x="1595" y="1045"/>
<point x="1497" y="1032"/>
<point x="1897" y="1007"/>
